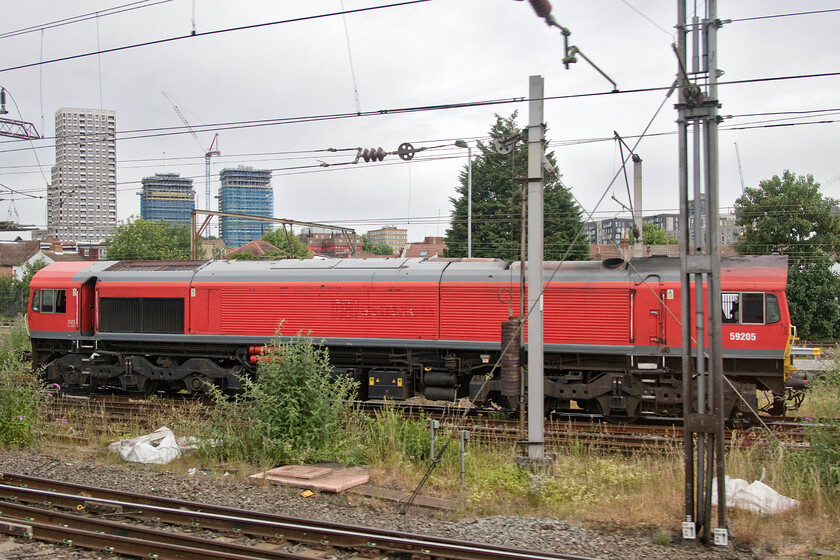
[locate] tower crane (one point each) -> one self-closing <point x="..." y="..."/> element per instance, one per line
<point x="213" y="150"/>
<point x="740" y="172"/>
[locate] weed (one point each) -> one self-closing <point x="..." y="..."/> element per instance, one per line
<point x="662" y="538"/>
<point x="18" y="336"/>
<point x="294" y="411"/>
<point x="821" y="461"/>
<point x="391" y="439"/>
<point x="22" y="400"/>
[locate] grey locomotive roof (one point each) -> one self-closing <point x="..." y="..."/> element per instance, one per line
<point x="397" y="270"/>
<point x="322" y="270"/>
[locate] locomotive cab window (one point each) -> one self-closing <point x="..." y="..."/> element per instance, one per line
<point x="49" y="301"/>
<point x="750" y="308"/>
<point x="771" y="306"/>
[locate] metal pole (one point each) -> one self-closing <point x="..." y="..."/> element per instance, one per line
<point x="192" y="235"/>
<point x="699" y="265"/>
<point x="639" y="245"/>
<point x="433" y="425"/>
<point x="716" y="334"/>
<point x="469" y="202"/>
<point x="465" y="436"/>
<point x="699" y="308"/>
<point x="522" y="315"/>
<point x="689" y="523"/>
<point x="536" y="408"/>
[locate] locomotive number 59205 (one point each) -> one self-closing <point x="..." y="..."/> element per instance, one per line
<point x="745" y="336"/>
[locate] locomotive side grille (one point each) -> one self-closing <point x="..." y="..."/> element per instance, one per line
<point x="141" y="315"/>
<point x="583" y="316"/>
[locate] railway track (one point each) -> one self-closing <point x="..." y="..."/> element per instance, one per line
<point x="115" y="521"/>
<point x="590" y="431"/>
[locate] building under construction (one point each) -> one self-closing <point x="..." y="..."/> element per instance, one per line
<point x="168" y="197"/>
<point x="245" y="190"/>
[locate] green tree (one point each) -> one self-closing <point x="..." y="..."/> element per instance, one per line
<point x="381" y="249"/>
<point x="282" y="240"/>
<point x="652" y="234"/>
<point x="14" y="293"/>
<point x="788" y="215"/>
<point x="139" y="239"/>
<point x="496" y="203"/>
<point x="243" y="257"/>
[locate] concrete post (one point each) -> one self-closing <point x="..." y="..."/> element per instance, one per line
<point x="536" y="408"/>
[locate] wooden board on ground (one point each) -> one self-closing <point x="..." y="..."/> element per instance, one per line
<point x="335" y="479"/>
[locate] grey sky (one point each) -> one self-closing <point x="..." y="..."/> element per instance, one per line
<point x="439" y="52"/>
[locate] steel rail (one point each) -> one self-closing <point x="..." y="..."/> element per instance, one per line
<point x="124" y="545"/>
<point x="91" y="532"/>
<point x="34" y="490"/>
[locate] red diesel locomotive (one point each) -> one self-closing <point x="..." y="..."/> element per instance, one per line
<point x="403" y="327"/>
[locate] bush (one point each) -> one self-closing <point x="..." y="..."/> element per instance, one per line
<point x="22" y="399"/>
<point x="294" y="411"/>
<point x="18" y="336"/>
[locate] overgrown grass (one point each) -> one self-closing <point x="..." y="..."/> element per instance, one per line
<point x="22" y="396"/>
<point x="821" y="462"/>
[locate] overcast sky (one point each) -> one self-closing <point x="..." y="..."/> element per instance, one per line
<point x="432" y="53"/>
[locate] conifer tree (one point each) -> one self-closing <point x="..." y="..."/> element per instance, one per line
<point x="496" y="206"/>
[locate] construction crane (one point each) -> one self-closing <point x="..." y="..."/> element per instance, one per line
<point x="213" y="150"/>
<point x="740" y="172"/>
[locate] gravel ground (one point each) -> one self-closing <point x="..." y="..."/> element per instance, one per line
<point x="524" y="532"/>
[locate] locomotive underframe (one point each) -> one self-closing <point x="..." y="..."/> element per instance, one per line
<point x="616" y="386"/>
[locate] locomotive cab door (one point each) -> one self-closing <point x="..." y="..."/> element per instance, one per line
<point x="656" y="312"/>
<point x="87" y="298"/>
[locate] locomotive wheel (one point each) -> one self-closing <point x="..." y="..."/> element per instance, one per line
<point x="78" y="390"/>
<point x="72" y="383"/>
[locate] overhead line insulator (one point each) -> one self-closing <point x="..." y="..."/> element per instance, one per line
<point x="373" y="154"/>
<point x="541" y="7"/>
<point x="406" y="152"/>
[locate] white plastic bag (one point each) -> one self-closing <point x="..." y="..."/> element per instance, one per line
<point x="159" y="447"/>
<point x="756" y="497"/>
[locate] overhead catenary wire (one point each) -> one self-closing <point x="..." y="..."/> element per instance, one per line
<point x="659" y="27"/>
<point x="130" y="7"/>
<point x="791" y="14"/>
<point x="210" y="33"/>
<point x="157" y="132"/>
<point x="470" y="104"/>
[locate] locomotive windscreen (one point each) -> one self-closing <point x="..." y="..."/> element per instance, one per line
<point x="141" y="315"/>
